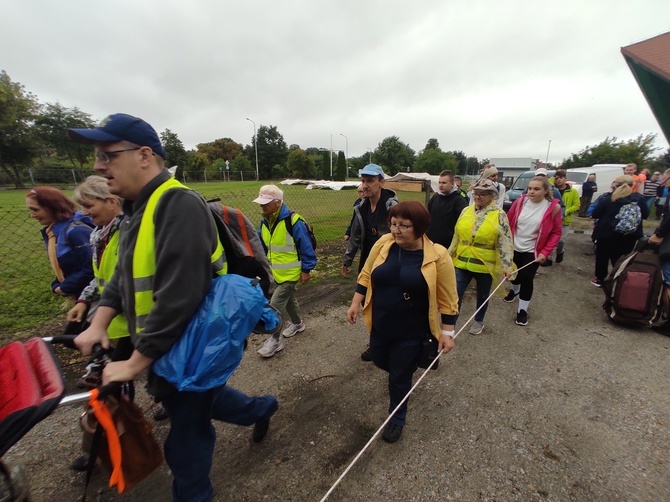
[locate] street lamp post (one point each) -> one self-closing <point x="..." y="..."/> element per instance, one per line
<point x="255" y="145"/>
<point x="346" y="151"/>
<point x="546" y="161"/>
<point x="370" y="153"/>
<point x="331" y="157"/>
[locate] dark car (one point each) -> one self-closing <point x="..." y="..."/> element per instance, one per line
<point x="519" y="186"/>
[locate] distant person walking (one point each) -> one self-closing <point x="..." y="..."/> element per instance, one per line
<point x="536" y="222"/>
<point x="589" y="188"/>
<point x="291" y="258"/>
<point x="618" y="225"/>
<point x="638" y="179"/>
<point x="490" y="172"/>
<point x="445" y="207"/>
<point x="357" y="202"/>
<point x="570" y="199"/>
<point x="650" y="190"/>
<point x="482" y="248"/>
<point x="458" y="182"/>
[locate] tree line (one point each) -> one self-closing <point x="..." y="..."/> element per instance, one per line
<point x="33" y="137"/>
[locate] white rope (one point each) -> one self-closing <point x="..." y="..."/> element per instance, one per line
<point x="381" y="427"/>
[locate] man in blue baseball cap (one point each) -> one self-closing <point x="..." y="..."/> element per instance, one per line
<point x="370" y="219"/>
<point x="169" y="251"/>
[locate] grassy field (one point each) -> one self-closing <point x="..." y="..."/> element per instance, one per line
<point x="26" y="299"/>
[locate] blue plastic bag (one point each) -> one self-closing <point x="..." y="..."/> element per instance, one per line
<point x="211" y="347"/>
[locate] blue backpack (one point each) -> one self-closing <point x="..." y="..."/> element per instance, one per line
<point x="628" y="218"/>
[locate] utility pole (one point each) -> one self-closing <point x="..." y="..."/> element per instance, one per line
<point x="255" y="145"/>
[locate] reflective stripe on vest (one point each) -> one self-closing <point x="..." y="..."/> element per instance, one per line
<point x="477" y="253"/>
<point x="144" y="257"/>
<point x="118" y="328"/>
<point x="282" y="253"/>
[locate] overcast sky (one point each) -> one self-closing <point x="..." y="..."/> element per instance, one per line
<point x="490" y="78"/>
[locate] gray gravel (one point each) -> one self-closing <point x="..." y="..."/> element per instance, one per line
<point x="571" y="407"/>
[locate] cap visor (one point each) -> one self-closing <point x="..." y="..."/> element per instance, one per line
<point x="263" y="199"/>
<point x="92" y="136"/>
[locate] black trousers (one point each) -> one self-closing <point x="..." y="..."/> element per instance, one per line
<point x="526" y="276"/>
<point x="610" y="249"/>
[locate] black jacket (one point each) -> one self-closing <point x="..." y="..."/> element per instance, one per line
<point x="444" y="212"/>
<point x="606" y="211"/>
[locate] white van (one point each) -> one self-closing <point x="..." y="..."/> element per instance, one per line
<point x="605" y="175"/>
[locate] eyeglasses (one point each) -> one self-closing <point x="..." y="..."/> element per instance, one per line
<point x="482" y="194"/>
<point x="402" y="228"/>
<point x="104" y="157"/>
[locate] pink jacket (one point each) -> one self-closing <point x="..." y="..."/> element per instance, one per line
<point x="550" y="227"/>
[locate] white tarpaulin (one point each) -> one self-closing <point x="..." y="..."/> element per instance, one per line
<point x="322" y="184"/>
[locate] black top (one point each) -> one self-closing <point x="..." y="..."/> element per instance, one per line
<point x="606" y="211"/>
<point x="589" y="188"/>
<point x="371" y="224"/>
<point x="444" y="212"/>
<point x="400" y="302"/>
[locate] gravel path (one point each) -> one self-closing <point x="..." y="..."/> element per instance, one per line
<point x="570" y="407"/>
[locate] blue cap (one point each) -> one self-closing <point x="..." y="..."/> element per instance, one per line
<point x="373" y="170"/>
<point x="120" y="127"/>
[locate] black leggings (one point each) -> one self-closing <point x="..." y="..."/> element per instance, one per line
<point x="526" y="276"/>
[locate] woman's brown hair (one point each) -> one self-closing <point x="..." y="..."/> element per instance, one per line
<point x="53" y="200"/>
<point x="413" y="211"/>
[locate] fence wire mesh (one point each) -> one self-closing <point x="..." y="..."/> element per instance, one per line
<point x="26" y="299"/>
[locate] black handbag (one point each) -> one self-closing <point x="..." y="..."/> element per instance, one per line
<point x="428" y="353"/>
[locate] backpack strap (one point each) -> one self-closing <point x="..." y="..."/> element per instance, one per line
<point x="243" y="231"/>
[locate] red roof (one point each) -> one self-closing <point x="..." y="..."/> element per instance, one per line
<point x="653" y="54"/>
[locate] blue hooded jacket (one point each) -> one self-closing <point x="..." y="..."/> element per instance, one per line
<point x="73" y="251"/>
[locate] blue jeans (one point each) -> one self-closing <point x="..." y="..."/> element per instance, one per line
<point x="484" y="281"/>
<point x="190" y="443"/>
<point x="397" y="356"/>
<point x="665" y="267"/>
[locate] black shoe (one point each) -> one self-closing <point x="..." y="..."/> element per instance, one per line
<point x="522" y="318"/>
<point x="161" y="414"/>
<point x="546" y="263"/>
<point x="366" y="356"/>
<point x="80" y="464"/>
<point x="559" y="257"/>
<point x="663" y="329"/>
<point x="260" y="430"/>
<point x="392" y="433"/>
<point x="511" y="295"/>
<point x="261" y="427"/>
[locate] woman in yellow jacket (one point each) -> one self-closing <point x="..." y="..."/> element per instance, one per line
<point x="408" y="290"/>
<point x="482" y="248"/>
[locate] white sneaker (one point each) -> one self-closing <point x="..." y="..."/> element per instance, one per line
<point x="271" y="346"/>
<point x="476" y="328"/>
<point x="293" y="329"/>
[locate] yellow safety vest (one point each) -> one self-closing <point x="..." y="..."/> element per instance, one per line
<point x="118" y="328"/>
<point x="282" y="253"/>
<point x="144" y="256"/>
<point x="477" y="253"/>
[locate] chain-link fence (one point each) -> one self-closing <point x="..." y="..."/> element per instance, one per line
<point x="26" y="299"/>
<point x="69" y="177"/>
